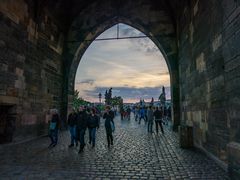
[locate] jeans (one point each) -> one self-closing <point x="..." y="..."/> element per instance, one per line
<point x="136" y="117"/>
<point x="109" y="136"/>
<point x="150" y="125"/>
<point x="92" y="135"/>
<point x="54" y="136"/>
<point x="141" y="117"/>
<point x="73" y="133"/>
<point x="81" y="138"/>
<point x="158" y="122"/>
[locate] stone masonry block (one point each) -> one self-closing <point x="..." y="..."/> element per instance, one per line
<point x="200" y="63"/>
<point x="217" y="42"/>
<point x="233" y="149"/>
<point x="186" y="136"/>
<point x="3" y="67"/>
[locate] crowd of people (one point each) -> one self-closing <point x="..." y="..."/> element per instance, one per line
<point x="142" y="113"/>
<point x="151" y="114"/>
<point x="88" y="118"/>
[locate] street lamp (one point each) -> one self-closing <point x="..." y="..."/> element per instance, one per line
<point x="100" y="97"/>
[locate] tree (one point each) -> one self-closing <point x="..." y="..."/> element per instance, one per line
<point x="117" y="100"/>
<point x="78" y="101"/>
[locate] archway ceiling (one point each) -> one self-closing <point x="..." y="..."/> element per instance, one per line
<point x="67" y="10"/>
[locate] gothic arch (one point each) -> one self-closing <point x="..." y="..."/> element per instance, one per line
<point x="86" y="28"/>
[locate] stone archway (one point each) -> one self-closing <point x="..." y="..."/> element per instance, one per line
<point x="86" y="27"/>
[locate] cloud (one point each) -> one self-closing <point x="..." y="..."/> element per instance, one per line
<point x="142" y="44"/>
<point x="163" y="73"/>
<point x="126" y="65"/>
<point x="86" y="81"/>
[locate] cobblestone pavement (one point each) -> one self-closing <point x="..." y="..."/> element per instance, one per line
<point x="135" y="154"/>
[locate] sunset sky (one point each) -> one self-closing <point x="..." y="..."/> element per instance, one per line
<point x="134" y="68"/>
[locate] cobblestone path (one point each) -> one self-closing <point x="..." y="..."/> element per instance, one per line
<point x="136" y="154"/>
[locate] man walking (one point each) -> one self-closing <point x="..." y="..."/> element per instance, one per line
<point x="81" y="126"/>
<point x="109" y="124"/>
<point x="158" y="119"/>
<point x="142" y="115"/>
<point x="72" y="125"/>
<point x="150" y="119"/>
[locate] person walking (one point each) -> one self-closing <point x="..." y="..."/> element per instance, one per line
<point x="53" y="129"/>
<point x="150" y="119"/>
<point x="72" y="125"/>
<point x="158" y="119"/>
<point x="109" y="125"/>
<point x="128" y="113"/>
<point x="142" y="115"/>
<point x="82" y="126"/>
<point x="136" y="112"/>
<point x="121" y="112"/>
<point x="145" y="113"/>
<point x="93" y="124"/>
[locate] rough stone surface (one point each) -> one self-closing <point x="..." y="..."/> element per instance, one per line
<point x="234" y="160"/>
<point x="209" y="73"/>
<point x="25" y="53"/>
<point x="135" y="154"/>
<point x="200" y="40"/>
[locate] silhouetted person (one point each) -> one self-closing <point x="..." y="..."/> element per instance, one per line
<point x="128" y="113"/>
<point x="72" y="125"/>
<point x="109" y="123"/>
<point x="142" y="115"/>
<point x="53" y="129"/>
<point x="145" y="117"/>
<point x="81" y="127"/>
<point x="93" y="124"/>
<point x="158" y="119"/>
<point x="136" y="113"/>
<point x="150" y="119"/>
<point x="121" y="112"/>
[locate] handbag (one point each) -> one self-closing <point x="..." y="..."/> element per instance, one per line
<point x="112" y="126"/>
<point x="52" y="125"/>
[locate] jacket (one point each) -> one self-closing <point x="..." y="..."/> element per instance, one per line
<point x="108" y="119"/>
<point x="72" y="119"/>
<point x="150" y="115"/>
<point x="82" y="117"/>
<point x="158" y="114"/>
<point x="93" y="121"/>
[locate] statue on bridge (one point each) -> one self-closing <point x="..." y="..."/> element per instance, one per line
<point x="108" y="96"/>
<point x="162" y="97"/>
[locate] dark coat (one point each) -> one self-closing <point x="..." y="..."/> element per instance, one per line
<point x="108" y="118"/>
<point x="93" y="121"/>
<point x="82" y="118"/>
<point x="72" y="119"/>
<point x="158" y="114"/>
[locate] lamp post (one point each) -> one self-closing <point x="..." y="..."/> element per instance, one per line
<point x="100" y="98"/>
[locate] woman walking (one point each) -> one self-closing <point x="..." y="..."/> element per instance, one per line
<point x="93" y="124"/>
<point x="53" y="129"/>
<point x="109" y="125"/>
